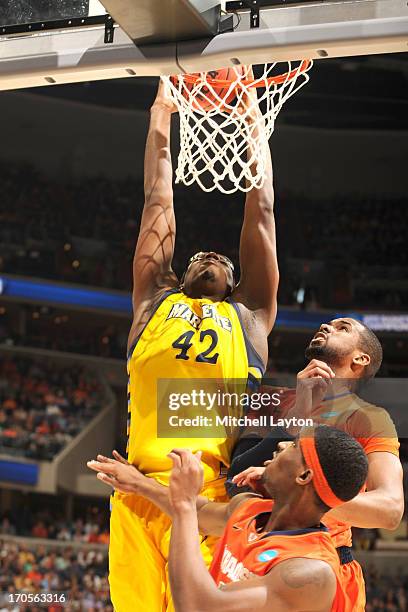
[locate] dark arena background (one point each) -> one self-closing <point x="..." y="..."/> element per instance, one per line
<point x="71" y="175"/>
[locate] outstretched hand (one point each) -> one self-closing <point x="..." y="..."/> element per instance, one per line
<point x="186" y="479"/>
<point x="117" y="473"/>
<point x="251" y="477"/>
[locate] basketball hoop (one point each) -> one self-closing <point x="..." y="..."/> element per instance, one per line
<point x="225" y="124"/>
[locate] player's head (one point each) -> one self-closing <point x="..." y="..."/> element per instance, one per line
<point x="209" y="274"/>
<point x="348" y="345"/>
<point x="323" y="467"/>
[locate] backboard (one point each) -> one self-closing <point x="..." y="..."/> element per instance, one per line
<point x="128" y="38"/>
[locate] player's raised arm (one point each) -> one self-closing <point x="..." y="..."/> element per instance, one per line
<point x="126" y="478"/>
<point x="259" y="281"/>
<point x="153" y="257"/>
<point x="382" y="504"/>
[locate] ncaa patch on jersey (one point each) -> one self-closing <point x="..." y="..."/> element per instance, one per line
<point x="267" y="555"/>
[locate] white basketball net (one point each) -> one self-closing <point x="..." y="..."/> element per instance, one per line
<point x="224" y="146"/>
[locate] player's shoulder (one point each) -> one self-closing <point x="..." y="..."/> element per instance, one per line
<point x="302" y="571"/>
<point x="373" y="427"/>
<point x="298" y="580"/>
<point x="363" y="404"/>
<point x="145" y="312"/>
<point x="245" y="501"/>
<point x="362" y="409"/>
<point x="253" y="327"/>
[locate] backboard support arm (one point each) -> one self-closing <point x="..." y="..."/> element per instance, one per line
<point x="311" y="31"/>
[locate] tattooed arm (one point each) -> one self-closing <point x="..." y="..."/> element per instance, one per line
<point x="286" y="588"/>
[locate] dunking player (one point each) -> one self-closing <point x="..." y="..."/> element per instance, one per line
<point x="205" y="327"/>
<point x="274" y="553"/>
<point x="343" y="352"/>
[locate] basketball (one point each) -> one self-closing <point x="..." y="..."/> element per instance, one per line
<point x="210" y="96"/>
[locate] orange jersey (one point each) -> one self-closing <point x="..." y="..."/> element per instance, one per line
<point x="243" y="552"/>
<point x="370" y="425"/>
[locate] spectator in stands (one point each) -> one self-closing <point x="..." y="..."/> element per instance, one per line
<point x="82" y="575"/>
<point x="39" y="530"/>
<point x="43" y="406"/>
<point x="385" y="592"/>
<point x="6" y="527"/>
<point x="91" y="527"/>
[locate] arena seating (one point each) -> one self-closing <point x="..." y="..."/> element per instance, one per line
<point x="42" y="551"/>
<point x="42" y="407"/>
<point x="385" y="593"/>
<point x="78" y="572"/>
<point x="90" y="237"/>
<point x="89" y="526"/>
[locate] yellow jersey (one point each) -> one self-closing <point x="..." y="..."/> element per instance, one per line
<point x="188" y="345"/>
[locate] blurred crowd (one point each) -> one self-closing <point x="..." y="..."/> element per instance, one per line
<point x="90" y="526"/>
<point x="108" y="341"/>
<point x="366" y="231"/>
<point x="78" y="573"/>
<point x="81" y="573"/>
<point x="75" y="559"/>
<point x="357" y="246"/>
<point x="386" y="593"/>
<point x="43" y="406"/>
<point x="85" y="232"/>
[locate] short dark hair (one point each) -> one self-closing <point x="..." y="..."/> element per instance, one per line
<point x="343" y="460"/>
<point x="372" y="346"/>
